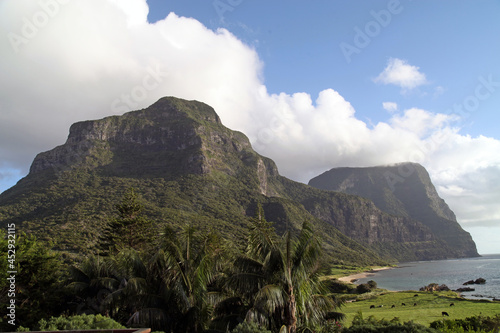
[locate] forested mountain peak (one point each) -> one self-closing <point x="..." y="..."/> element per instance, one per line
<point x="188" y="168"/>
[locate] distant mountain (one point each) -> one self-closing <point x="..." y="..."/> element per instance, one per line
<point x="189" y="168"/>
<point x="403" y="190"/>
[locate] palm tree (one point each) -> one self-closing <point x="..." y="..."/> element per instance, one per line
<point x="143" y="297"/>
<point x="194" y="263"/>
<point x="280" y="278"/>
<point x="168" y="289"/>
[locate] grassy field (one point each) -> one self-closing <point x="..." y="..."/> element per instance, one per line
<point x="429" y="307"/>
<point x="344" y="270"/>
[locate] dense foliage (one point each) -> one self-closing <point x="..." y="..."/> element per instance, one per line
<point x="469" y="324"/>
<point x="188" y="280"/>
<point x="372" y="325"/>
<point x="279" y="277"/>
<point x="129" y="229"/>
<point x="78" y="322"/>
<point x="34" y="287"/>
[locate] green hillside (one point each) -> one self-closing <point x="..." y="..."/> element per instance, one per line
<point x="189" y="168"/>
<point x="404" y="190"/>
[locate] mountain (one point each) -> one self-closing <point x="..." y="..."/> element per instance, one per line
<point x="189" y="168"/>
<point x="403" y="190"/>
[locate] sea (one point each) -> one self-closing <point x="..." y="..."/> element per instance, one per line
<point x="453" y="273"/>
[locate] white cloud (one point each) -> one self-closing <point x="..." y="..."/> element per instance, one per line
<point x="400" y="73"/>
<point x="94" y="58"/>
<point x="136" y="11"/>
<point x="420" y="122"/>
<point x="390" y="106"/>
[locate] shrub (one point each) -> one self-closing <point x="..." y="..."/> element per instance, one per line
<point x="361" y="325"/>
<point x="331" y="326"/>
<point x="80" y="322"/>
<point x="249" y="327"/>
<point x="372" y="284"/>
<point x="469" y="324"/>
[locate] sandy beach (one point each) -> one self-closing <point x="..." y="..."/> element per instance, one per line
<point x="362" y="275"/>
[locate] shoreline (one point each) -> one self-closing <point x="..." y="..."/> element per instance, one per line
<point x="355" y="277"/>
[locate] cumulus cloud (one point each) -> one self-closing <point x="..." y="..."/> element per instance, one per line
<point x="398" y="72"/>
<point x="86" y="59"/>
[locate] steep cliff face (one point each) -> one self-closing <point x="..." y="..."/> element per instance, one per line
<point x="170" y="137"/>
<point x="185" y="164"/>
<point x="189" y="168"/>
<point x="403" y="190"/>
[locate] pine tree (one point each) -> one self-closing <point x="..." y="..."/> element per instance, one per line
<point x="130" y="229"/>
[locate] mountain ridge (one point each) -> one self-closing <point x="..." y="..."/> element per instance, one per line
<point x="405" y="190"/>
<point x="189" y="168"/>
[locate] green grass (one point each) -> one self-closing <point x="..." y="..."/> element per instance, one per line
<point x="345" y="270"/>
<point x="428" y="309"/>
<point x="337" y="271"/>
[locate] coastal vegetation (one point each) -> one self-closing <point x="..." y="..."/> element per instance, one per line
<point x="193" y="281"/>
<point x="185" y="281"/>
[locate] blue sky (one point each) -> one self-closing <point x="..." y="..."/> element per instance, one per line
<point x="452" y="42"/>
<point x="314" y="85"/>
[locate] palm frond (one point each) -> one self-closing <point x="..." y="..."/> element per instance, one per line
<point x="77" y="287"/>
<point x="105" y="282"/>
<point x="227" y="306"/>
<point x="255" y="315"/>
<point x="270" y="298"/>
<point x="136" y="286"/>
<point x="78" y="275"/>
<point x="247" y="264"/>
<point x="245" y="283"/>
<point x="307" y="248"/>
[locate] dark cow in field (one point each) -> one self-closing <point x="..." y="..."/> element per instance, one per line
<point x="444" y="313"/>
<point x="452" y="304"/>
<point x="403" y="304"/>
<point x="393" y="306"/>
<point x="372" y="306"/>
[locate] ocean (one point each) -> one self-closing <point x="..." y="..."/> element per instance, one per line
<point x="453" y="273"/>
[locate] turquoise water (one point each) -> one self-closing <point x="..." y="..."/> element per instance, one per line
<point x="453" y="273"/>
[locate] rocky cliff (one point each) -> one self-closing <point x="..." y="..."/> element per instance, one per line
<point x="189" y="168"/>
<point x="403" y="190"/>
